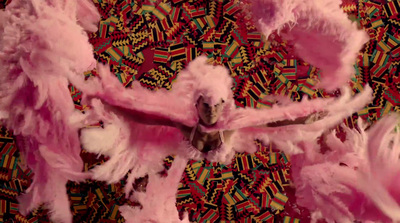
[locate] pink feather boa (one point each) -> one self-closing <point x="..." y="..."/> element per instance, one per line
<point x="39" y="45"/>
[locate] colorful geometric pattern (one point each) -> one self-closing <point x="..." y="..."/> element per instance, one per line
<point x="378" y="66"/>
<point x="94" y="201"/>
<point x="251" y="189"/>
<point x="14" y="179"/>
<point x="255" y="187"/>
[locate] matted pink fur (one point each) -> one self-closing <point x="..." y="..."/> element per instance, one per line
<point x="42" y="48"/>
<point x="356" y="179"/>
<point x="320" y="31"/>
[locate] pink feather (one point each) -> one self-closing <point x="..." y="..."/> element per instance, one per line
<point x="134" y="147"/>
<point x="320" y="31"/>
<point x="287" y="137"/>
<point x="142" y="146"/>
<point x="271" y="15"/>
<point x="41" y="50"/>
<point x="346" y="183"/>
<point x="87" y="15"/>
<point x="158" y="202"/>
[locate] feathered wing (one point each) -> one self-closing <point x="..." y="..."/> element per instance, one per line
<point x="140" y="149"/>
<point x="158" y="107"/>
<point x="162" y="107"/>
<point x="287" y="136"/>
<point x="345" y="105"/>
<point x="346" y="183"/>
<point x="131" y="146"/>
<point x="324" y="37"/>
<point x="35" y="100"/>
<point x="320" y="31"/>
<point x="147" y="120"/>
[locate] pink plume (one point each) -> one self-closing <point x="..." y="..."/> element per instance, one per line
<point x="42" y="49"/>
<point x="320" y="31"/>
<point x="347" y="183"/>
<point x="158" y="202"/>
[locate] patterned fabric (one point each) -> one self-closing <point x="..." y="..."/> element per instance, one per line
<point x="95" y="201"/>
<point x="14" y="179"/>
<point x="251" y="189"/>
<point x="379" y="63"/>
<point x="151" y="41"/>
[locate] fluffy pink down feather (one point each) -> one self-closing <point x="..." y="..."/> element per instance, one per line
<point x="288" y="137"/>
<point x="41" y="49"/>
<point x="131" y="145"/>
<point x="354" y="180"/>
<point x="158" y="202"/>
<point x="320" y="31"/>
<point x="177" y="104"/>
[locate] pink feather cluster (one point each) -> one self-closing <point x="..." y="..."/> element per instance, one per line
<point x="140" y="148"/>
<point x="356" y="179"/>
<point x="270" y="15"/>
<point x="35" y="101"/>
<point x="135" y="146"/>
<point x="320" y="32"/>
<point x="158" y="202"/>
<point x="195" y="80"/>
